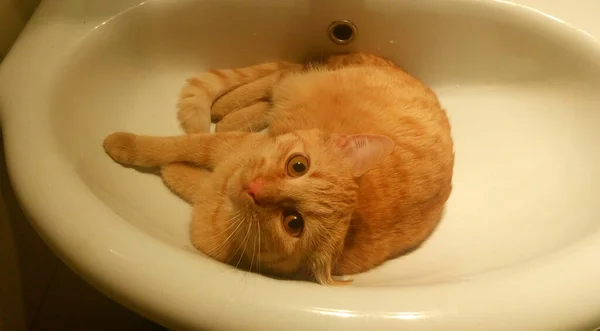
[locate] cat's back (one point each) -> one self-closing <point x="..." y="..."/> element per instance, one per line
<point x="401" y="201"/>
<point x="374" y="100"/>
<point x="356" y="99"/>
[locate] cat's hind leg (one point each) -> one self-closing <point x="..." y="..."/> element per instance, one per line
<point x="253" y="118"/>
<point x="253" y="92"/>
<point x="200" y="91"/>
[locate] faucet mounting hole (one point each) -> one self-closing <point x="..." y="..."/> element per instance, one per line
<point x="342" y="32"/>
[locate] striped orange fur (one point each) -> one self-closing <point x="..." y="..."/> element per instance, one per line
<point x="355" y="168"/>
<point x="199" y="93"/>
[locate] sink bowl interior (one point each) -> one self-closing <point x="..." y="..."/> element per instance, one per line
<point x="519" y="88"/>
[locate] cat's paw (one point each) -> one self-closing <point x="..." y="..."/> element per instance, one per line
<point x="121" y="147"/>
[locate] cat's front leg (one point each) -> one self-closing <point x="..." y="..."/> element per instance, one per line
<point x="147" y="151"/>
<point x="204" y="150"/>
<point x="186" y="181"/>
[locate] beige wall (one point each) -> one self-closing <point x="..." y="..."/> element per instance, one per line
<point x="13" y="16"/>
<point x="26" y="265"/>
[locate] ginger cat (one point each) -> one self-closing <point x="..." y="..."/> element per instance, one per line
<point x="355" y="166"/>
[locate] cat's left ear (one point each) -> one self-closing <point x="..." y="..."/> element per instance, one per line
<point x="363" y="151"/>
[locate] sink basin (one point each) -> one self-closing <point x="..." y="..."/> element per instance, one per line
<point x="516" y="249"/>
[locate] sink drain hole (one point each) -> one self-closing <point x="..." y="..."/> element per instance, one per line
<point x="342" y="32"/>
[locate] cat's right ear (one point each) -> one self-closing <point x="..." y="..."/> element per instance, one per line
<point x="363" y="152"/>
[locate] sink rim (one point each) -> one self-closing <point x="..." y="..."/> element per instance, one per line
<point x="95" y="251"/>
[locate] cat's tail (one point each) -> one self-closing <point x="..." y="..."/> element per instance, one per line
<point x="199" y="93"/>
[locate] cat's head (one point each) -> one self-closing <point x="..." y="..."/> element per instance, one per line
<point x="296" y="193"/>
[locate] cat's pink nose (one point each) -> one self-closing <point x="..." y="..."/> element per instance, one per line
<point x="254" y="189"/>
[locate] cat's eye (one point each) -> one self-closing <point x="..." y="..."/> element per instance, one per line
<point x="293" y="224"/>
<point x="297" y="165"/>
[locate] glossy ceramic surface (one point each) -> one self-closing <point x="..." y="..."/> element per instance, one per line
<point x="517" y="248"/>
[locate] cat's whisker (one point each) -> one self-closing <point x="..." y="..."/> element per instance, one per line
<point x="258" y="225"/>
<point x="248" y="122"/>
<point x="231" y="147"/>
<point x="239" y="247"/>
<point x="225" y="242"/>
<point x="239" y="105"/>
<point x="235" y="220"/>
<point x="245" y="244"/>
<point x="253" y="253"/>
<point x="240" y="162"/>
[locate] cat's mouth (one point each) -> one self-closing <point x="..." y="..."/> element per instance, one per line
<point x="247" y="197"/>
<point x="238" y="191"/>
<point x="241" y="198"/>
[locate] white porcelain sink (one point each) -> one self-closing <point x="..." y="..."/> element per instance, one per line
<point x="517" y="248"/>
